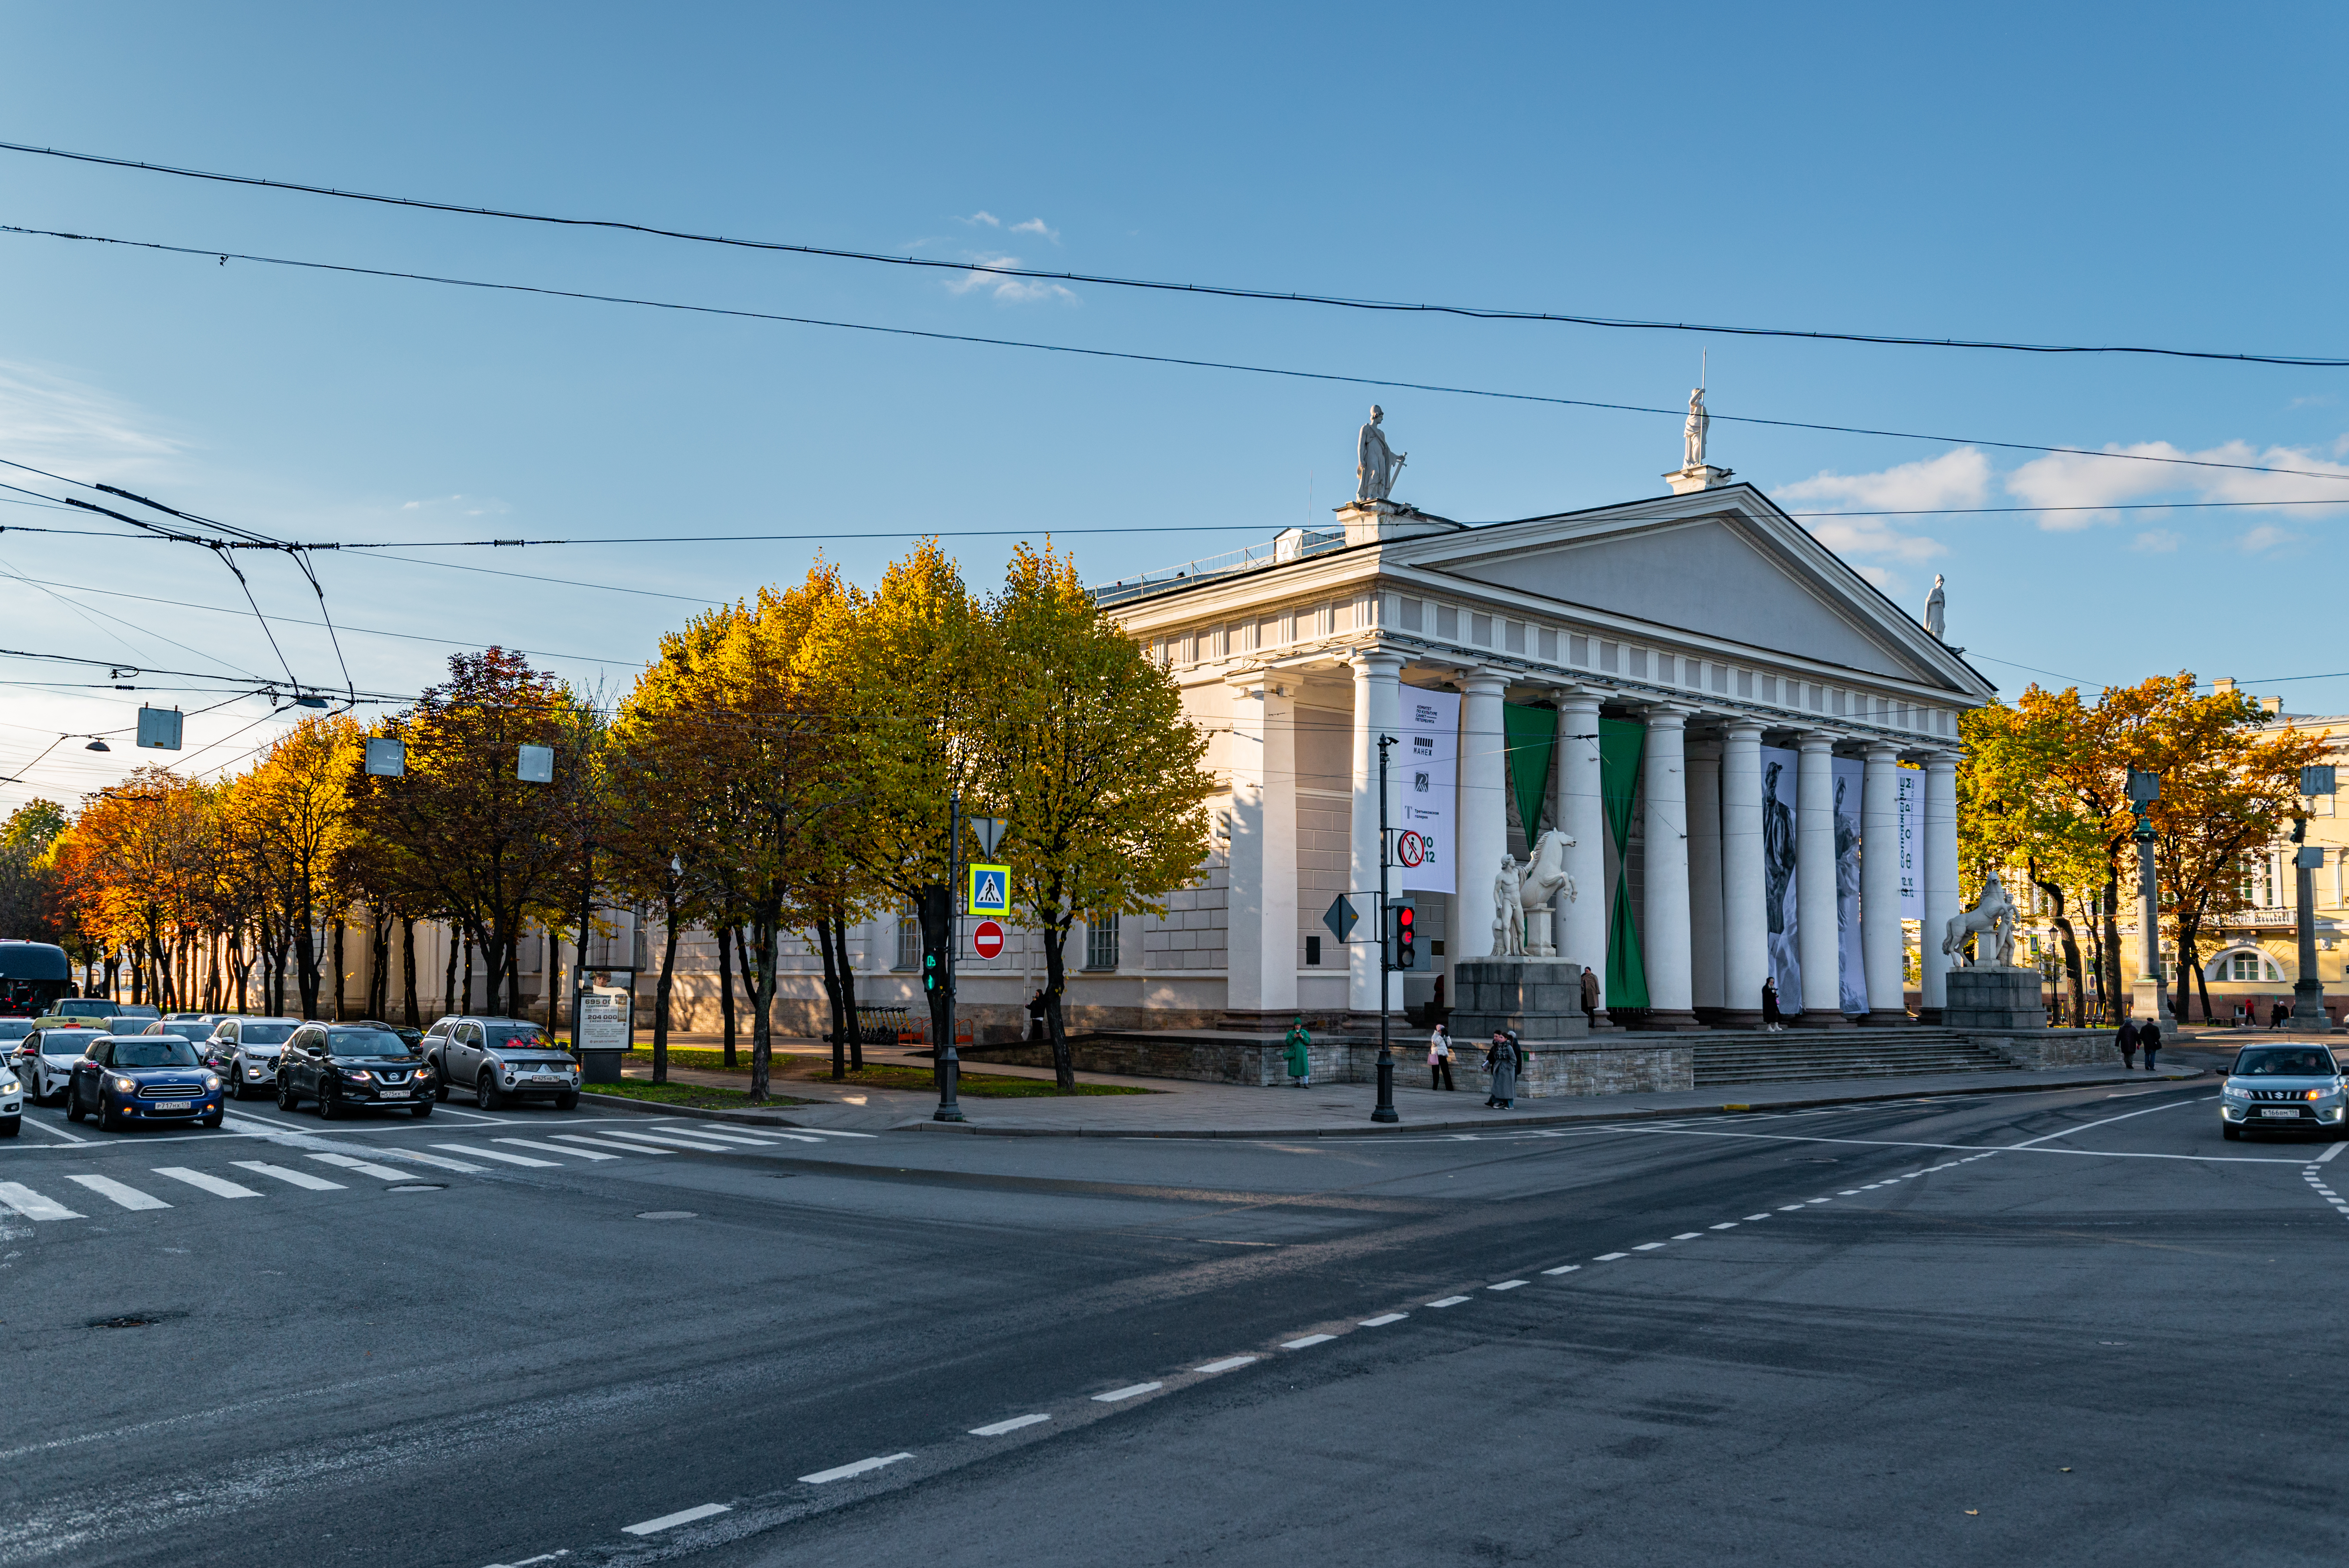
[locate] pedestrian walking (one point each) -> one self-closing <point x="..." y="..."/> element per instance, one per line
<point x="2148" y="1035"/>
<point x="1772" y="1019"/>
<point x="1439" y="1059"/>
<point x="2126" y="1040"/>
<point x="1301" y="1059"/>
<point x="1501" y="1061"/>
<point x="1590" y="997"/>
<point x="2276" y="1017"/>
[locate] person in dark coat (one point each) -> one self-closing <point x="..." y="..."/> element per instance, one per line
<point x="1501" y="1061"/>
<point x="2148" y="1035"/>
<point x="1772" y="1019"/>
<point x="1590" y="997"/>
<point x="2126" y="1040"/>
<point x="2277" y="1014"/>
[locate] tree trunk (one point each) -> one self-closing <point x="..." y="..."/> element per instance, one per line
<point x="2189" y="969"/>
<point x="415" y="1019"/>
<point x="448" y="980"/>
<point x="1056" y="979"/>
<point x="465" y="991"/>
<point x="342" y="969"/>
<point x="2114" y="990"/>
<point x="378" y="964"/>
<point x="2071" y="948"/>
<point x="661" y="996"/>
<point x="725" y="934"/>
<point x="848" y="991"/>
<point x="748" y="975"/>
<point x="766" y="926"/>
<point x="831" y="996"/>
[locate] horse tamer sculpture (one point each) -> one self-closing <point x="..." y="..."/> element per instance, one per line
<point x="1994" y="919"/>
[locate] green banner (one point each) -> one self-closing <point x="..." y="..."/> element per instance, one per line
<point x="1533" y="740"/>
<point x="1622" y="743"/>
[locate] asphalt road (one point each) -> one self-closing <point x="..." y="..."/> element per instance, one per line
<point x="2070" y="1326"/>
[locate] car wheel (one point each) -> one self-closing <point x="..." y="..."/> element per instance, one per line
<point x="566" y="1102"/>
<point x="214" y="1118"/>
<point x="286" y="1098"/>
<point x="2232" y="1133"/>
<point x="73" y="1102"/>
<point x="440" y="1080"/>
<point x="420" y="1111"/>
<point x="102" y="1113"/>
<point x="330" y="1105"/>
<point x="485" y="1093"/>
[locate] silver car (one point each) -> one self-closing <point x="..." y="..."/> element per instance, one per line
<point x="2284" y="1088"/>
<point x="246" y="1049"/>
<point x="501" y="1060"/>
<point x="45" y="1060"/>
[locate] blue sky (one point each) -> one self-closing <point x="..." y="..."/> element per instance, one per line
<point x="2084" y="175"/>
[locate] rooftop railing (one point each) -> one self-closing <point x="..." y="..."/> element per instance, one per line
<point x="1307" y="542"/>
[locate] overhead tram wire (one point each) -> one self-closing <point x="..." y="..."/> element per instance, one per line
<point x="1219" y="291"/>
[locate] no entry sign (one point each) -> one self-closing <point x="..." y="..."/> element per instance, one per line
<point x="987" y="939"/>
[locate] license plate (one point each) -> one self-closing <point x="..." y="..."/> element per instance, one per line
<point x="2292" y="1114"/>
<point x="173" y="1105"/>
<point x="550" y="1078"/>
<point x="392" y="1094"/>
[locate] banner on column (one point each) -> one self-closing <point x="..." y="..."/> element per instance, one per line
<point x="1779" y="767"/>
<point x="1430" y="765"/>
<point x="1911" y="796"/>
<point x="1852" y="992"/>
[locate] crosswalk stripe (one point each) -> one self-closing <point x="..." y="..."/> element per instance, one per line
<point x="213" y="1184"/>
<point x="494" y="1154"/>
<point x="129" y="1197"/>
<point x="793" y="1137"/>
<point x="380" y="1173"/>
<point x="423" y="1159"/>
<point x="555" y="1149"/>
<point x="704" y="1146"/>
<point x="301" y="1179"/>
<point x="31" y="1204"/>
<point x="607" y="1143"/>
<point x="717" y="1136"/>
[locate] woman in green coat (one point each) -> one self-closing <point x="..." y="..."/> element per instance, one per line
<point x="1300" y="1060"/>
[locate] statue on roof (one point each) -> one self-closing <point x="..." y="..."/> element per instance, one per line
<point x="1376" y="464"/>
<point x="1692" y="433"/>
<point x="1936" y="611"/>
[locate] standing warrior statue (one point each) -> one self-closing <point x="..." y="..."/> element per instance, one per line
<point x="1376" y="464"/>
<point x="1937" y="610"/>
<point x="1692" y="433"/>
<point x="1509" y="910"/>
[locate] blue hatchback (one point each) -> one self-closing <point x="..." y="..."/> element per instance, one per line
<point x="129" y="1080"/>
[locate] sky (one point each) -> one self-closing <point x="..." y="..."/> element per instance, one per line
<point x="2018" y="173"/>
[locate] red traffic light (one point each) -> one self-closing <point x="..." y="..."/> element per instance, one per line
<point x="1402" y="919"/>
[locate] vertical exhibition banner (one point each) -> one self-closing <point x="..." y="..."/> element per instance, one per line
<point x="1852" y="988"/>
<point x="1429" y="759"/>
<point x="1779" y="767"/>
<point x="1912" y="805"/>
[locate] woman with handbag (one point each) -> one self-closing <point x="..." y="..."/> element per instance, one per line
<point x="1439" y="1059"/>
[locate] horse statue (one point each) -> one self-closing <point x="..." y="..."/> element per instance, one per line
<point x="1522" y="895"/>
<point x="1994" y="918"/>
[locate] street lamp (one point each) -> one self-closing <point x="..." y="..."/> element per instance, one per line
<point x="2308" y="990"/>
<point x="2143" y="790"/>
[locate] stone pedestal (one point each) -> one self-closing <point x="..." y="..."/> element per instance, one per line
<point x="1983" y="998"/>
<point x="1539" y="942"/>
<point x="1540" y="998"/>
<point x="1704" y="476"/>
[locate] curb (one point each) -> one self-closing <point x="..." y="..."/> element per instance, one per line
<point x="1555" y="1119"/>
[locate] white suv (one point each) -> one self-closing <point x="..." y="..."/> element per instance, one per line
<point x="46" y="1061"/>
<point x="2284" y="1088"/>
<point x="246" y="1049"/>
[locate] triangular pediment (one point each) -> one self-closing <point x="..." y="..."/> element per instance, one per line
<point x="1727" y="563"/>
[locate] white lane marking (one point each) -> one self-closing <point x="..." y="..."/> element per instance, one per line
<point x="1647" y="1246"/>
<point x="1756" y="1217"/>
<point x="996" y="1429"/>
<point x="1975" y="1151"/>
<point x="1724" y="1225"/>
<point x="1818" y="1200"/>
<point x="763" y="1136"/>
<point x="1382" y="1319"/>
<point x="1229" y="1363"/>
<point x="423" y="1159"/>
<point x="607" y="1143"/>
<point x="1789" y="1208"/>
<point x="862" y="1466"/>
<point x="1851" y="1193"/>
<point x="1128" y="1392"/>
<point x="547" y="1148"/>
<point x="672" y="1521"/>
<point x="828" y="1132"/>
<point x="31" y="1204"/>
<point x="301" y="1179"/>
<point x="2331" y="1152"/>
<point x="1449" y="1301"/>
<point x="1309" y="1339"/>
<point x="676" y="1140"/>
<point x="380" y="1173"/>
<point x="2107" y="1121"/>
<point x="719" y="1137"/>
<point x="1687" y="1235"/>
<point x="1562" y="1268"/>
<point x="1505" y="1285"/>
<point x="53" y="1131"/>
<point x="1610" y="1257"/>
<point x="505" y="1159"/>
<point x="213" y="1184"/>
<point x="129" y="1197"/>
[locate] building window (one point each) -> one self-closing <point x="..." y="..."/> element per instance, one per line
<point x="1410" y="612"/>
<point x="2247" y="965"/>
<point x="909" y="937"/>
<point x="1101" y="942"/>
<point x="1312" y="950"/>
<point x="1480" y="630"/>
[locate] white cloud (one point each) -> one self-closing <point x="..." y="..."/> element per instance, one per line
<point x="1872" y="536"/>
<point x="2268" y="536"/>
<point x="2081" y="479"/>
<point x="987" y="274"/>
<point x="2157" y="541"/>
<point x="982" y="217"/>
<point x="1954" y="479"/>
<point x="55" y="423"/>
<point x="1036" y="226"/>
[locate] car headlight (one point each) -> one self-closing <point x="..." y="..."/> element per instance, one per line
<point x="124" y="1086"/>
<point x="212" y="1080"/>
<point x="357" y="1075"/>
<point x="2315" y="1094"/>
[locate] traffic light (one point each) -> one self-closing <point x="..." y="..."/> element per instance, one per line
<point x="930" y="977"/>
<point x="1404" y="923"/>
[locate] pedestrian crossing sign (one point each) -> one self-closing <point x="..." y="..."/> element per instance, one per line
<point x="990" y="890"/>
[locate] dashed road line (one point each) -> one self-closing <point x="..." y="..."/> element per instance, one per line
<point x="1609" y="1257"/>
<point x="1449" y="1301"/>
<point x="862" y="1466"/>
<point x="1309" y="1339"/>
<point x="684" y="1516"/>
<point x="1228" y="1364"/>
<point x="996" y="1429"/>
<point x="1562" y="1269"/>
<point x="1131" y="1390"/>
<point x="1380" y="1321"/>
<point x="1505" y="1285"/>
<point x="1687" y="1235"/>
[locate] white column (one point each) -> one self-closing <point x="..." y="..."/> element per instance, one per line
<point x="1262" y="898"/>
<point x="1879" y="884"/>
<point x="1940" y="879"/>
<point x="1816" y="940"/>
<point x="1664" y="932"/>
<point x="1708" y="976"/>
<point x="1378" y="711"/>
<point x="1582" y="923"/>
<point x="1745" y="915"/>
<point x="1483" y="831"/>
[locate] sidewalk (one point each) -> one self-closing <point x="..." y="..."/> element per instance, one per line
<point x="1179" y="1109"/>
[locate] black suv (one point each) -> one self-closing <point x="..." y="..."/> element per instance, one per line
<point x="346" y="1068"/>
